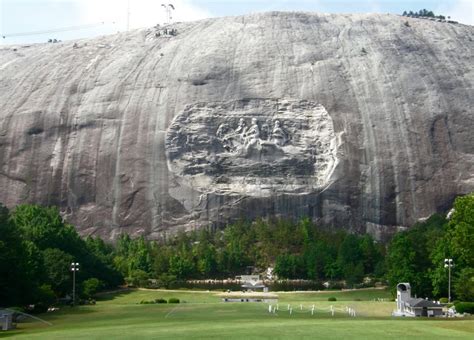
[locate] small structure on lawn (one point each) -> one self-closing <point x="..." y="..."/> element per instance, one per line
<point x="249" y="297"/>
<point x="408" y="306"/>
<point x="6" y="320"/>
<point x="251" y="282"/>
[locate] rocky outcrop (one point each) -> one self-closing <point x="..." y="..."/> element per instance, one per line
<point x="358" y="121"/>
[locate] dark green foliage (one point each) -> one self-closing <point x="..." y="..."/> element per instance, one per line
<point x="287" y="266"/>
<point x="90" y="287"/>
<point x="417" y="255"/>
<point x="297" y="251"/>
<point x="423" y="13"/>
<point x="159" y="301"/>
<point x="456" y="242"/>
<point x="43" y="297"/>
<point x="37" y="248"/>
<point x="181" y="266"/>
<point x="464" y="285"/>
<point x="138" y="278"/>
<point x="45" y="228"/>
<point x="57" y="270"/>
<point x="20" y="266"/>
<point x="465" y="307"/>
<point x="166" y="280"/>
<point x="408" y="256"/>
<point x="332" y="298"/>
<point x="133" y="259"/>
<point x="41" y="246"/>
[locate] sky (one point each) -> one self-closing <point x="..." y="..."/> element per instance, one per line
<point x="33" y="21"/>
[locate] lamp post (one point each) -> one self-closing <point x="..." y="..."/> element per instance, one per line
<point x="74" y="269"/>
<point x="448" y="263"/>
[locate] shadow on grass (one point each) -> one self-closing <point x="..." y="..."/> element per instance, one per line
<point x="49" y="317"/>
<point x="108" y="296"/>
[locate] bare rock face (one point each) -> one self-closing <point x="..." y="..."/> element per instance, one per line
<point x="359" y="121"/>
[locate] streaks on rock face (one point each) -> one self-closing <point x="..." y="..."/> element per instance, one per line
<point x="256" y="147"/>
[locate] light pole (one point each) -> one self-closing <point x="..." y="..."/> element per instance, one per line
<point x="448" y="263"/>
<point x="74" y="269"/>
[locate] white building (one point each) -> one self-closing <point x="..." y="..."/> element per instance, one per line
<point x="251" y="282"/>
<point x="408" y="306"/>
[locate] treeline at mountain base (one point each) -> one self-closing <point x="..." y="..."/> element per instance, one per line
<point x="37" y="248"/>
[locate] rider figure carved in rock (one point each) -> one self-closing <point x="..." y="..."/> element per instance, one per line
<point x="279" y="137"/>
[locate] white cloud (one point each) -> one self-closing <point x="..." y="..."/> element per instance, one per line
<point x="143" y="13"/>
<point x="460" y="10"/>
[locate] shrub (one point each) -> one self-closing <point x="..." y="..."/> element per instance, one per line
<point x="332" y="298"/>
<point x="45" y="295"/>
<point x="465" y="307"/>
<point x="161" y="300"/>
<point x="145" y="302"/>
<point x="443" y="300"/>
<point x="173" y="300"/>
<point x="407" y="24"/>
<point x="166" y="280"/>
<point x="137" y="278"/>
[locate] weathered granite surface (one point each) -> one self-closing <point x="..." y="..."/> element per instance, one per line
<point x="142" y="132"/>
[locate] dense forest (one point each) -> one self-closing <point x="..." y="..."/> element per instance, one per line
<point x="37" y="247"/>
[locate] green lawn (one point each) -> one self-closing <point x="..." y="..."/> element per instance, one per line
<point x="203" y="315"/>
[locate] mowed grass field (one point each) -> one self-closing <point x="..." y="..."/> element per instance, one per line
<point x="202" y="315"/>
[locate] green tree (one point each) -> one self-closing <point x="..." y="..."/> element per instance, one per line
<point x="422" y="263"/>
<point x="350" y="258"/>
<point x="91" y="286"/>
<point x="207" y="263"/>
<point x="42" y="298"/>
<point x="181" y="266"/>
<point x="354" y="274"/>
<point x="464" y="285"/>
<point x="45" y="227"/>
<point x="460" y="231"/>
<point x="57" y="265"/>
<point x="139" y="255"/>
<point x="402" y="264"/>
<point x="289" y="267"/>
<point x="16" y="281"/>
<point x="160" y="255"/>
<point x="138" y="278"/>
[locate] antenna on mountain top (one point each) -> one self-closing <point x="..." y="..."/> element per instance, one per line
<point x="168" y="9"/>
